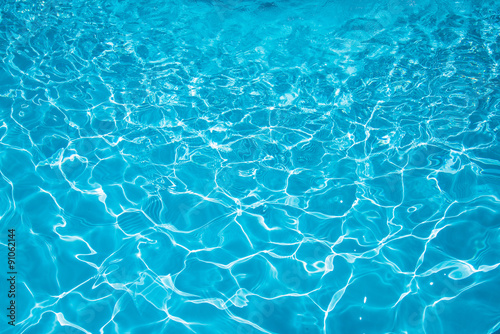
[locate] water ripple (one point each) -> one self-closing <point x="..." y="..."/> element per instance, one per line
<point x="252" y="167"/>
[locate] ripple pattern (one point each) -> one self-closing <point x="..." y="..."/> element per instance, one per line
<point x="234" y="166"/>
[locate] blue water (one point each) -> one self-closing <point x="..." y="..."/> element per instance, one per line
<point x="233" y="166"/>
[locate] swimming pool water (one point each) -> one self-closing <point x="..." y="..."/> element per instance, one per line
<point x="233" y="166"/>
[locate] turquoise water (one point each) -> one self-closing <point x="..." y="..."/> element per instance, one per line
<point x="226" y="166"/>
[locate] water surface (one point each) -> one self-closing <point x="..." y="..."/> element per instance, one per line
<point x="226" y="166"/>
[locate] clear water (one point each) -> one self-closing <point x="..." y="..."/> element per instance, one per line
<point x="225" y="166"/>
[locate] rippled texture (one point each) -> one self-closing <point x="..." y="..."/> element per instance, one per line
<point x="224" y="166"/>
